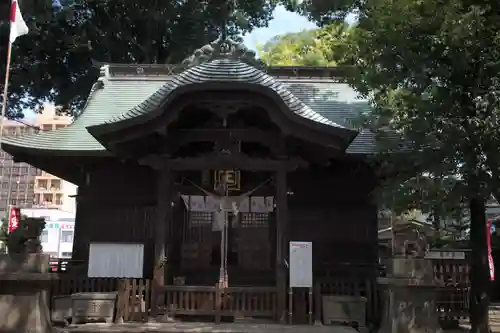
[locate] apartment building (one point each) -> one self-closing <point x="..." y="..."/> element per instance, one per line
<point x="24" y="186"/>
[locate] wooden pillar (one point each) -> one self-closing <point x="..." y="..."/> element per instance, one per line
<point x="80" y="249"/>
<point x="163" y="207"/>
<point x="281" y="240"/>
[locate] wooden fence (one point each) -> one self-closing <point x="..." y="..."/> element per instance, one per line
<point x="454" y="298"/>
<point x="134" y="296"/>
<point x="218" y="302"/>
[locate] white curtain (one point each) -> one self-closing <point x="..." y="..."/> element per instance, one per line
<point x="198" y="203"/>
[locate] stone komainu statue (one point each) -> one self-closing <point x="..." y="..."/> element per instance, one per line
<point x="408" y="241"/>
<point x="26" y="238"/>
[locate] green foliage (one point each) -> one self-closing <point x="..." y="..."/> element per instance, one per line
<point x="53" y="62"/>
<point x="424" y="66"/>
<point x="294" y="49"/>
<point x="323" y="11"/>
<point x="431" y="70"/>
<point x="319" y="47"/>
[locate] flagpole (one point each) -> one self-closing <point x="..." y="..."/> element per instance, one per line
<point x="5" y="90"/>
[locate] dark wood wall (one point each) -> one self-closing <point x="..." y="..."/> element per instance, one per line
<point x="331" y="207"/>
<point x="117" y="204"/>
<point x="334" y="208"/>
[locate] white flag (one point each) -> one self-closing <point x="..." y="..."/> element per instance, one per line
<point x="17" y="25"/>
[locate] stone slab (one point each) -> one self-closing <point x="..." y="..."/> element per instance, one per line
<point x="24" y="313"/>
<point x="205" y="328"/>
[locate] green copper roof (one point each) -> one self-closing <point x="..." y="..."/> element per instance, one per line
<point x="103" y="103"/>
<point x="224" y="70"/>
<point x="116" y="96"/>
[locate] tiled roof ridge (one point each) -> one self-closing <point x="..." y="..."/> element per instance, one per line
<point x="99" y="84"/>
<point x="117" y="70"/>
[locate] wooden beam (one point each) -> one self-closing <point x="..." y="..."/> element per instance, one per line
<point x="217" y="162"/>
<point x="273" y="140"/>
<point x="281" y="240"/>
<point x="162" y="223"/>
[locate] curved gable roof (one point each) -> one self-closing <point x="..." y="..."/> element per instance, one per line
<point x="114" y="99"/>
<point x="221" y="70"/>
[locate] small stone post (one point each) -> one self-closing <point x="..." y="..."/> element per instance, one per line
<point x="410" y="287"/>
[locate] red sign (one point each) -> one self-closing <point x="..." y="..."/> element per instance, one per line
<point x="490" y="257"/>
<point x="14" y="218"/>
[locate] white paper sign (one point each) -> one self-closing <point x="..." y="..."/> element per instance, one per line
<point x="115" y="260"/>
<point x="301" y="274"/>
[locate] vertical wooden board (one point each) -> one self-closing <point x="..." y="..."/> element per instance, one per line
<point x="147" y="298"/>
<point x="141" y="299"/>
<point x="133" y="301"/>
<point x="126" y="301"/>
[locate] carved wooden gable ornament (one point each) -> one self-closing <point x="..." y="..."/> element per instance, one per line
<point x="223" y="48"/>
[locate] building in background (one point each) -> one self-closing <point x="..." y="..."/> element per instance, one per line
<point x="57" y="237"/>
<point x="25" y="186"/>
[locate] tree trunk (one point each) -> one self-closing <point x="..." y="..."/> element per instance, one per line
<point x="480" y="272"/>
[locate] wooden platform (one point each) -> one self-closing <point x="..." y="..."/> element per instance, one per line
<point x="204" y="328"/>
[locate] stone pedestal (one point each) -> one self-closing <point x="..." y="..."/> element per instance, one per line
<point x="24" y="281"/>
<point x="410" y="297"/>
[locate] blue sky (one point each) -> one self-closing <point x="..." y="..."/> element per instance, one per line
<point x="283" y="22"/>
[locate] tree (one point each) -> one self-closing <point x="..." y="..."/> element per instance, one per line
<point x="431" y="70"/>
<point x="294" y="49"/>
<point x="307" y="48"/>
<point x="436" y="195"/>
<point x="323" y="11"/>
<point x="53" y="62"/>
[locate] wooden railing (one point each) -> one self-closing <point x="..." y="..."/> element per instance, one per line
<point x="453" y="300"/>
<point x="217" y="302"/>
<point x="133" y="294"/>
<point x="68" y="284"/>
<point x="133" y="302"/>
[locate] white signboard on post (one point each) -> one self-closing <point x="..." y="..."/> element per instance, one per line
<point x="301" y="274"/>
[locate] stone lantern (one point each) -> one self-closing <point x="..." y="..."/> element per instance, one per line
<point x="410" y="288"/>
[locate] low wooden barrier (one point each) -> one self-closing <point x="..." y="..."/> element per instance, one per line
<point x="453" y="301"/>
<point x="133" y="302"/>
<point x="218" y="302"/>
<point x="133" y="294"/>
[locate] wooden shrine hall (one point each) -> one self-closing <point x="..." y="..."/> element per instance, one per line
<point x="210" y="168"/>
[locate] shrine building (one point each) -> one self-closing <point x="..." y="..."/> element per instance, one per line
<point x="159" y="151"/>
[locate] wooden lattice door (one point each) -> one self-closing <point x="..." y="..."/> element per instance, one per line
<point x="254" y="241"/>
<point x="196" y="252"/>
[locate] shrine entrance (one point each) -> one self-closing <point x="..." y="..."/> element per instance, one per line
<point x="222" y="158"/>
<point x="236" y="233"/>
